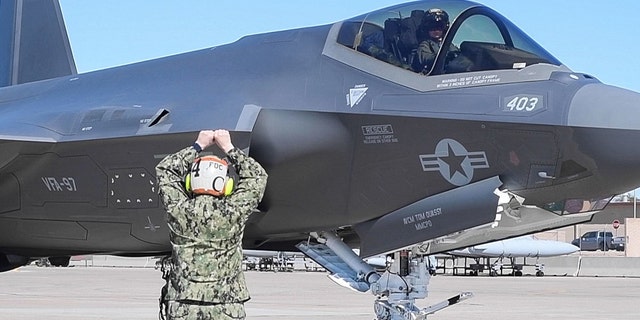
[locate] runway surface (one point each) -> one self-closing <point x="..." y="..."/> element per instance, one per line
<point x="132" y="293"/>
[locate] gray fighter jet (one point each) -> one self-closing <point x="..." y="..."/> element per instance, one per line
<point x="367" y="143"/>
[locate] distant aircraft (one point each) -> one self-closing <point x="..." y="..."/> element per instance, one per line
<point x="495" y="138"/>
<point x="280" y="259"/>
<point x="272" y="260"/>
<point x="520" y="247"/>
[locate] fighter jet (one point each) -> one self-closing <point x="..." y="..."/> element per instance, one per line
<point x="491" y="138"/>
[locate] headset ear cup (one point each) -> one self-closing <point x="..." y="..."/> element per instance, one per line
<point x="228" y="186"/>
<point x="187" y="183"/>
<point x="232" y="179"/>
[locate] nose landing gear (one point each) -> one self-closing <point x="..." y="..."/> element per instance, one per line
<point x="396" y="289"/>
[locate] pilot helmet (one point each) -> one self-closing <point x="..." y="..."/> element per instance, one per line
<point x="211" y="175"/>
<point x="435" y="19"/>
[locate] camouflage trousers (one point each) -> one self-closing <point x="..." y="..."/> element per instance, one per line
<point x="183" y="311"/>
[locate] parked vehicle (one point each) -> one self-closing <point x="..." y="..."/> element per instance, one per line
<point x="618" y="243"/>
<point x="594" y="240"/>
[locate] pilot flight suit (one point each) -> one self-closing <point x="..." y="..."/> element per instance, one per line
<point x="426" y="55"/>
<point x="206" y="279"/>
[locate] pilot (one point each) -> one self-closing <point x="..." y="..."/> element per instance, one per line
<point x="207" y="208"/>
<point x="430" y="34"/>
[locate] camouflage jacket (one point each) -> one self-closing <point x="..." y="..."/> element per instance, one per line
<point x="206" y="232"/>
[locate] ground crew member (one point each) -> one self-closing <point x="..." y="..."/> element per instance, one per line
<point x="207" y="207"/>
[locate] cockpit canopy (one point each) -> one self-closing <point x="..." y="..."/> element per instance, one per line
<point x="475" y="38"/>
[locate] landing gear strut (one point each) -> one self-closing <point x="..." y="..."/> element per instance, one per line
<point x="396" y="289"/>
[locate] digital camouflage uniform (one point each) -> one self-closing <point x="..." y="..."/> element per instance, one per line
<point x="206" y="279"/>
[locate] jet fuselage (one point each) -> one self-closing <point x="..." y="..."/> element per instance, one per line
<point x="346" y="139"/>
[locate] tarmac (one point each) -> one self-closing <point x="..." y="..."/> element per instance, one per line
<point x="124" y="290"/>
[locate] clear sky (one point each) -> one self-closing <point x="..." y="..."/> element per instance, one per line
<point x="596" y="37"/>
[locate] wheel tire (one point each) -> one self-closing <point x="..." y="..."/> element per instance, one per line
<point x="59" y="261"/>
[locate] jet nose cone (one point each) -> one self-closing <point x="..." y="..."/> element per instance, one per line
<point x="551" y="248"/>
<point x="603" y="106"/>
<point x="605" y="122"/>
<point x="566" y="248"/>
